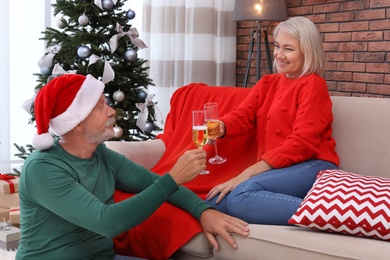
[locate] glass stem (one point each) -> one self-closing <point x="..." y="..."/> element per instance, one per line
<point x="215" y="148"/>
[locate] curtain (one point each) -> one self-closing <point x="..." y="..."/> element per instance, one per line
<point x="190" y="41"/>
<point x="4" y="91"/>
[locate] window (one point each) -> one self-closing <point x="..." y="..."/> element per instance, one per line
<point x="20" y="54"/>
<point x="19" y="60"/>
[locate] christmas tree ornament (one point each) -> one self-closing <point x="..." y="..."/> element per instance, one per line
<point x="132" y="34"/>
<point x="107" y="5"/>
<point x="61" y="23"/>
<point x="130" y="14"/>
<point x="130" y="55"/>
<point x="118" y="131"/>
<point x="141" y="95"/>
<point x="84" y="52"/>
<point x="108" y="71"/>
<point x="149" y="127"/>
<point x="45" y="71"/>
<point x="90" y="47"/>
<point x="118" y="96"/>
<point x="83" y="20"/>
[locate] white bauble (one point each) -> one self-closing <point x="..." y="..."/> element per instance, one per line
<point x="118" y="96"/>
<point x="118" y="131"/>
<point x="83" y="20"/>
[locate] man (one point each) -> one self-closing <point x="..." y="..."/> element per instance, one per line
<point x="67" y="185"/>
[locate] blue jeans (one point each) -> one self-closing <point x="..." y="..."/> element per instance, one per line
<point x="274" y="196"/>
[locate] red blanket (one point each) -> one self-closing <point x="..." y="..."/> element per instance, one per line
<point x="169" y="227"/>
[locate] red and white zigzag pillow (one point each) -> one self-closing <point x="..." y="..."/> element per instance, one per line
<point x="349" y="203"/>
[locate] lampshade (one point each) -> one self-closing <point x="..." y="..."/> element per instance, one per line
<point x="268" y="10"/>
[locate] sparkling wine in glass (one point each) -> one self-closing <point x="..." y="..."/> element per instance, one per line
<point x="199" y="131"/>
<point x="213" y="128"/>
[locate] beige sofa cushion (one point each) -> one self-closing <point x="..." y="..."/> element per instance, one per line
<point x="362" y="131"/>
<point x="270" y="242"/>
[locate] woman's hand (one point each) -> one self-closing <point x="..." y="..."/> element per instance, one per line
<point x="222" y="130"/>
<point x="224" y="188"/>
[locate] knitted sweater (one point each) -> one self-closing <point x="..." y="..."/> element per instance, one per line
<point x="67" y="205"/>
<point x="293" y="118"/>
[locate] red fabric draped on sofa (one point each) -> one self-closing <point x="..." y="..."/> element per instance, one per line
<point x="169" y="227"/>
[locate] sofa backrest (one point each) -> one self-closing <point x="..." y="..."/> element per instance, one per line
<point x="362" y="131"/>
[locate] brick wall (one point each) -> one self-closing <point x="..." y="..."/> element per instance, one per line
<point x="356" y="37"/>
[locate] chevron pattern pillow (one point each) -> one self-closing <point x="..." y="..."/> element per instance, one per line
<point x="348" y="203"/>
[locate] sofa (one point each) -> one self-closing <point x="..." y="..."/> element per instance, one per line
<point x="362" y="131"/>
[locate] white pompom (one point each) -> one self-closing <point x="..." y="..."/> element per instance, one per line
<point x="42" y="142"/>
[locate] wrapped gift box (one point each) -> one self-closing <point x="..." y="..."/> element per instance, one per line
<point x="9" y="239"/>
<point x="4" y="214"/>
<point x="9" y="200"/>
<point x="14" y="215"/>
<point x="9" y="183"/>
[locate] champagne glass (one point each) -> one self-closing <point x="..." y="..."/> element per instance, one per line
<point x="213" y="127"/>
<point x="199" y="131"/>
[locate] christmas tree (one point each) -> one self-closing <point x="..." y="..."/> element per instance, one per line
<point x="95" y="37"/>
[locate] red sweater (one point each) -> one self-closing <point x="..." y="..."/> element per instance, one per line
<point x="293" y="118"/>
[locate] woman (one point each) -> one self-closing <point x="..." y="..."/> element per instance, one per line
<point x="292" y="113"/>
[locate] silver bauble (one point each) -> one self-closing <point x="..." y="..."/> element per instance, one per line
<point x="84" y="52"/>
<point x="130" y="14"/>
<point x="130" y="55"/>
<point x="118" y="131"/>
<point x="61" y="23"/>
<point x="108" y="101"/>
<point x="45" y="71"/>
<point x="149" y="127"/>
<point x="118" y="96"/>
<point x="107" y="5"/>
<point x="83" y="20"/>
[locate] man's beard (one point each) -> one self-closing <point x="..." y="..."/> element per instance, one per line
<point x="102" y="136"/>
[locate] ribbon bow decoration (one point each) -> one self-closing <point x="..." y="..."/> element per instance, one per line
<point x="28" y="105"/>
<point x="58" y="71"/>
<point x="99" y="3"/>
<point x="108" y="72"/>
<point x="144" y="112"/>
<point x="132" y="34"/>
<point x="7" y="178"/>
<point x="47" y="59"/>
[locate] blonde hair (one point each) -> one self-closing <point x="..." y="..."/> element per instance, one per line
<point x="304" y="30"/>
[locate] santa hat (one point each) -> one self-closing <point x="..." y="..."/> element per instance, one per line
<point x="62" y="104"/>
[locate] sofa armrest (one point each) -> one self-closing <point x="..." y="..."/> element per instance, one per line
<point x="145" y="153"/>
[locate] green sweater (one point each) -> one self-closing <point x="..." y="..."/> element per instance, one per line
<point x="67" y="207"/>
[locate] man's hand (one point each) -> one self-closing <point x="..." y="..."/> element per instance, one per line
<point x="188" y="166"/>
<point x="218" y="223"/>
